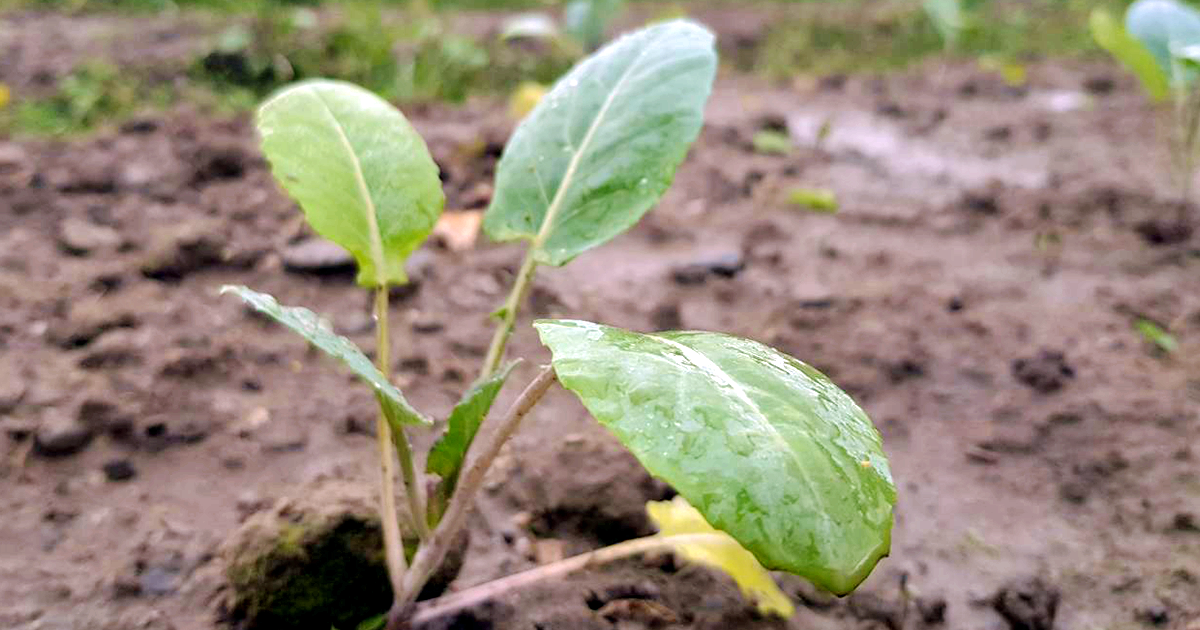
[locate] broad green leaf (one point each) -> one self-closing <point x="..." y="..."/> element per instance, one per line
<point x="766" y="447"/>
<point x="308" y="325"/>
<point x="360" y="172"/>
<point x="586" y="20"/>
<point x="947" y="17"/>
<point x="1112" y="37"/>
<point x="447" y="455"/>
<point x="1163" y="26"/>
<point x="677" y="516"/>
<point x="602" y="146"/>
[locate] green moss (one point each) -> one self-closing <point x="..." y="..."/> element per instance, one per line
<point x="314" y="575"/>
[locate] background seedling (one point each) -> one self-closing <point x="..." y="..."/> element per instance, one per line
<point x="1160" y="44"/>
<point x="776" y="467"/>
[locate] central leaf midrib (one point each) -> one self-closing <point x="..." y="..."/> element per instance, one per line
<point x="364" y="190"/>
<point x="710" y="367"/>
<point x="555" y="204"/>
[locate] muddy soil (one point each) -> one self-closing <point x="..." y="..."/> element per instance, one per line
<point x="976" y="294"/>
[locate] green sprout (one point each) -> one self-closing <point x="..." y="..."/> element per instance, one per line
<point x="775" y="466"/>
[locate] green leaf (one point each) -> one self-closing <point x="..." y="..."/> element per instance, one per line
<point x="1162" y="26"/>
<point x="677" y="517"/>
<point x="317" y="331"/>
<point x="947" y="17"/>
<point x="766" y="447"/>
<point x="586" y="20"/>
<point x="360" y="172"/>
<point x="820" y="200"/>
<point x="771" y="142"/>
<point x="1130" y="52"/>
<point x="603" y="145"/>
<point x="447" y="455"/>
<point x="1156" y="335"/>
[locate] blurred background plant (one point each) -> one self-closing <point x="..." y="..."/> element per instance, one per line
<point x="419" y="51"/>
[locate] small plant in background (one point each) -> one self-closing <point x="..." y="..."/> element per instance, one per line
<point x="774" y="465"/>
<point x="1160" y="44"/>
<point x="584" y="23"/>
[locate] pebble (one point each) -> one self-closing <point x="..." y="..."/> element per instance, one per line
<point x="81" y="237"/>
<point x="317" y="255"/>
<point x="62" y="436"/>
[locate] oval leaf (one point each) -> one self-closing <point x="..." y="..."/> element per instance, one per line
<point x="1163" y="26"/>
<point x="603" y="145"/>
<point x="360" y="172"/>
<point x="766" y="447"/>
<point x="677" y="516"/>
<point x="308" y="325"/>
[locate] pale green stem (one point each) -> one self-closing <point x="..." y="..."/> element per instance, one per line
<point x="508" y="315"/>
<point x="412" y="484"/>
<point x="393" y="544"/>
<point x="442" y="606"/>
<point x="433" y="550"/>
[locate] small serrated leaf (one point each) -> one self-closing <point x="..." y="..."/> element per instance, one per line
<point x="447" y="455"/>
<point x="677" y="516"/>
<point x="308" y="325"/>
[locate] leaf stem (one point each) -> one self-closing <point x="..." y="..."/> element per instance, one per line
<point x="433" y="550"/>
<point x="508" y="314"/>
<point x="393" y="544"/>
<point x="442" y="606"/>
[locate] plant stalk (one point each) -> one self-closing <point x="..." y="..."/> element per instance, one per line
<point x="433" y="550"/>
<point x="508" y="315"/>
<point x="393" y="543"/>
<point x="442" y="606"/>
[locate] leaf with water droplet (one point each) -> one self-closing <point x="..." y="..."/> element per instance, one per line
<point x="777" y="460"/>
<point x="360" y="172"/>
<point x="312" y="328"/>
<point x="628" y="112"/>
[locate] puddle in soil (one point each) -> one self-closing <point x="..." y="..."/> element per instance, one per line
<point x="869" y="136"/>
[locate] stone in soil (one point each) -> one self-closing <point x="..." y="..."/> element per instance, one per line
<point x="80" y="237"/>
<point x="59" y="436"/>
<point x="317" y="256"/>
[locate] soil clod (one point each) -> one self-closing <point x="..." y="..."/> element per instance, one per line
<point x="1028" y="604"/>
<point x="1046" y="372"/>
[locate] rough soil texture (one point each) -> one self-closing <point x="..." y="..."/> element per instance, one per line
<point x="976" y="294"/>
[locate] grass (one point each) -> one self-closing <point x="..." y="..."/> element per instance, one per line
<point x="833" y="38"/>
<point x="407" y="56"/>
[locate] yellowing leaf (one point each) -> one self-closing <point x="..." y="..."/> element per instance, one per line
<point x="677" y="517"/>
<point x="5" y="95"/>
<point x="525" y="98"/>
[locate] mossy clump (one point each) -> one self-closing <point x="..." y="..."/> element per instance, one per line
<point x="314" y="562"/>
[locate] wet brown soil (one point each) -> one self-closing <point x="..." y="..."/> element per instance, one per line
<point x="977" y="294"/>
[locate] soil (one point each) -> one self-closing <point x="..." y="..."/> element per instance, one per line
<point x="976" y="294"/>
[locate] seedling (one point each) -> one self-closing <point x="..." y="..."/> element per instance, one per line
<point x="584" y="23"/>
<point x="1160" y="44"/>
<point x="775" y="466"/>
